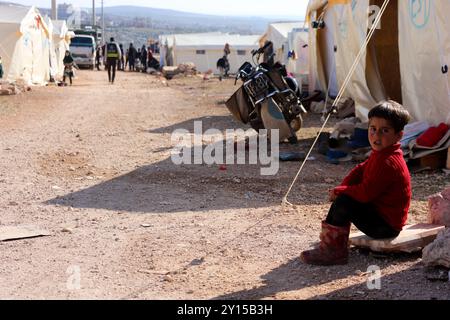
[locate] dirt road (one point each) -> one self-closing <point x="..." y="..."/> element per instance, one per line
<point x="91" y="164"/>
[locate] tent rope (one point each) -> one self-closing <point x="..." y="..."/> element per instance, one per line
<point x="340" y="94"/>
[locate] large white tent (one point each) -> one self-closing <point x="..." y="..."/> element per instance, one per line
<point x="406" y="60"/>
<point x="24" y="44"/>
<point x="204" y="49"/>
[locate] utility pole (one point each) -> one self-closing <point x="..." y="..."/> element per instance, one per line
<point x="54" y="10"/>
<point x="93" y="14"/>
<point x="103" y="25"/>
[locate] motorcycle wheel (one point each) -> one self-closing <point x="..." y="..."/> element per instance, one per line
<point x="273" y="118"/>
<point x="297" y="123"/>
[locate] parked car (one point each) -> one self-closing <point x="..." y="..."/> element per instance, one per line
<point x="82" y="48"/>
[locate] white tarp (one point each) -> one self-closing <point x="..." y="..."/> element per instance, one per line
<point x="24" y="44"/>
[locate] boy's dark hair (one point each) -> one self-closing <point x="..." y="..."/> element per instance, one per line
<point x="393" y="112"/>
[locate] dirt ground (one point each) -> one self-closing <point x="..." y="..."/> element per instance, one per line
<point x="92" y="164"/>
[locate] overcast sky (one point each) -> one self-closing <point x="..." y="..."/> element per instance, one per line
<point x="223" y="7"/>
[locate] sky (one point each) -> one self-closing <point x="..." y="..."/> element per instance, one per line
<point x="286" y="8"/>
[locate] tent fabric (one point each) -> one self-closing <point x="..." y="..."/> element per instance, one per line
<point x="423" y="48"/>
<point x="278" y="34"/>
<point x="345" y="28"/>
<point x="204" y="49"/>
<point x="350" y="25"/>
<point x="315" y="5"/>
<point x="298" y="43"/>
<point x="59" y="44"/>
<point x="24" y="44"/>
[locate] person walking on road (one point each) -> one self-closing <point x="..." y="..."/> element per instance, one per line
<point x="113" y="55"/>
<point x="98" y="57"/>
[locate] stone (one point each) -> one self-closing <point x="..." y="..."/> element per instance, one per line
<point x="168" y="278"/>
<point x="437" y="253"/>
<point x="439" y="208"/>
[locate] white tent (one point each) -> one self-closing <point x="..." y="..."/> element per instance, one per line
<point x="298" y="61"/>
<point x="205" y="49"/>
<point x="166" y="50"/>
<point x="278" y="34"/>
<point x="24" y="42"/>
<point x="59" y="44"/>
<point x="406" y="60"/>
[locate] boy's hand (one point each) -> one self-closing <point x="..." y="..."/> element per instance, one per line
<point x="331" y="195"/>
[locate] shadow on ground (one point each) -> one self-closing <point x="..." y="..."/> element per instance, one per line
<point x="165" y="187"/>
<point x="292" y="276"/>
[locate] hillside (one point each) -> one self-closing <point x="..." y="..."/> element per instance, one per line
<point x="176" y="20"/>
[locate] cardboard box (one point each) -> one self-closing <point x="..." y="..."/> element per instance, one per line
<point x="435" y="160"/>
<point x="448" y="158"/>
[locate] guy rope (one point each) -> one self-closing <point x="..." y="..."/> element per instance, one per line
<point x="339" y="96"/>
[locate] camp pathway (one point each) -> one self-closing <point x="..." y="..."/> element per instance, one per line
<point x="91" y="164"/>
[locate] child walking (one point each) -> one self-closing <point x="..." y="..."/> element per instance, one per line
<point x="68" y="67"/>
<point x="375" y="196"/>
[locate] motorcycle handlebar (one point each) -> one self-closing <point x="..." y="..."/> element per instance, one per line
<point x="262" y="49"/>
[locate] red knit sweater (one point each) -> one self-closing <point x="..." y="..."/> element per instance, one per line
<point x="384" y="181"/>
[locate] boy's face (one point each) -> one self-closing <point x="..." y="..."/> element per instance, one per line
<point x="382" y="134"/>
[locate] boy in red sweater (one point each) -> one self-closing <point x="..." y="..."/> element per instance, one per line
<point x="375" y="195"/>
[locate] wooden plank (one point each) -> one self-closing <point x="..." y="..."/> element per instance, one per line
<point x="412" y="238"/>
<point x="21" y="232"/>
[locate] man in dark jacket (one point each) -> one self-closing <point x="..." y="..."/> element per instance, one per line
<point x="1" y="68"/>
<point x="144" y="58"/>
<point x="132" y="55"/>
<point x="113" y="55"/>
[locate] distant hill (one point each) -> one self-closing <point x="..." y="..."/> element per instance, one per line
<point x="193" y="21"/>
<point x="137" y="24"/>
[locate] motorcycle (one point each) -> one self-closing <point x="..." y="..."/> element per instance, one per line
<point x="268" y="98"/>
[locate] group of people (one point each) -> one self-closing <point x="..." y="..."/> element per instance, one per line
<point x="114" y="58"/>
<point x="140" y="59"/>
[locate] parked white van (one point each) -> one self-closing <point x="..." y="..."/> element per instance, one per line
<point x="83" y="48"/>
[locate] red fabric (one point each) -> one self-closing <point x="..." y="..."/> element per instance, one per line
<point x="384" y="181"/>
<point x="432" y="136"/>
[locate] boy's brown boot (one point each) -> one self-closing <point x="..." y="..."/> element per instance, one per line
<point x="333" y="248"/>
